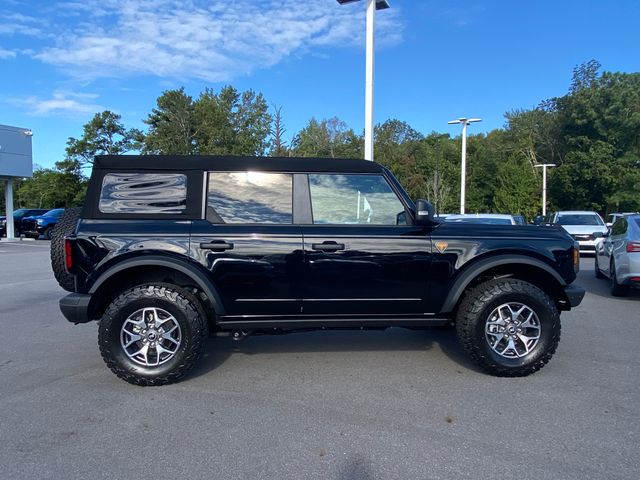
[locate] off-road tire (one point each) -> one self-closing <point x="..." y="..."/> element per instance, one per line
<point x="598" y="273"/>
<point x="66" y="225"/>
<point x="475" y="309"/>
<point x="185" y="309"/>
<point x="617" y="290"/>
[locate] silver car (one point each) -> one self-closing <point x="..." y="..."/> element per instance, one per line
<point x="618" y="255"/>
<point x="583" y="226"/>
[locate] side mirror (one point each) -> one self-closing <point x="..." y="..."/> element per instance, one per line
<point x="424" y="213"/>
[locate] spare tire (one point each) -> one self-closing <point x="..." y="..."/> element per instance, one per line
<point x="66" y="225"/>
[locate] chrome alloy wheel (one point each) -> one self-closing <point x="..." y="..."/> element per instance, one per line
<point x="150" y="336"/>
<point x="512" y="330"/>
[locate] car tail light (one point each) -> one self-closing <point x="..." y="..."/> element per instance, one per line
<point x="633" y="247"/>
<point x="576" y="259"/>
<point x="68" y="255"/>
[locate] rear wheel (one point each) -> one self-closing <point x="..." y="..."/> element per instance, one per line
<point x="617" y="290"/>
<point x="509" y="327"/>
<point x="152" y="334"/>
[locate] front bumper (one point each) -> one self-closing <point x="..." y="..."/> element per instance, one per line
<point x="575" y="294"/>
<point x="75" y="307"/>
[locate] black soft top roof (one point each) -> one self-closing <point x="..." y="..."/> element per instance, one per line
<point x="232" y="163"/>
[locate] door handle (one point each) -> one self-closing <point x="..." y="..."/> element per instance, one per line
<point x="217" y="245"/>
<point x="328" y="246"/>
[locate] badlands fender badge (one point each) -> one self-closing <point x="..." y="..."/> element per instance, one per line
<point x="441" y="246"/>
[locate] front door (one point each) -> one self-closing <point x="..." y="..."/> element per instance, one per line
<point x="360" y="255"/>
<point x="249" y="243"/>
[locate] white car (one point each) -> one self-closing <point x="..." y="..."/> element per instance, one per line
<point x="488" y="218"/>
<point x="585" y="227"/>
<point x="618" y="255"/>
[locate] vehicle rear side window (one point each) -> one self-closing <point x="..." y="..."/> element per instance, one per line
<point x="620" y="227"/>
<point x="250" y="197"/>
<point x="354" y="199"/>
<point x="143" y="193"/>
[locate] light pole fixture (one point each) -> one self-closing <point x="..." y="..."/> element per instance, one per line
<point x="544" y="167"/>
<point x="372" y="6"/>
<point x="463" y="169"/>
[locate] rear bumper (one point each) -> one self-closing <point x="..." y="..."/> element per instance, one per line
<point x="75" y="307"/>
<point x="575" y="294"/>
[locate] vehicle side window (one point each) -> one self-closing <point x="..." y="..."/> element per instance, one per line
<point x="354" y="199"/>
<point x="250" y="197"/>
<point x="620" y="227"/>
<point x="143" y="193"/>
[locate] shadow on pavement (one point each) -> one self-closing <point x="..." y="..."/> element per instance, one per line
<point x="219" y="349"/>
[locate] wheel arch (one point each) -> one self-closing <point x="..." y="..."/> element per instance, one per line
<point x="525" y="268"/>
<point x="136" y="271"/>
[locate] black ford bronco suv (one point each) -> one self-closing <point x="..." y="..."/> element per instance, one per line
<point x="170" y="248"/>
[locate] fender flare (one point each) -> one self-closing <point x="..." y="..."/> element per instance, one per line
<point x="469" y="273"/>
<point x="196" y="274"/>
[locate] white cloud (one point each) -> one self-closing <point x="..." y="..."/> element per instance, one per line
<point x="213" y="40"/>
<point x="6" y="53"/>
<point x="19" y="24"/>
<point x="61" y="103"/>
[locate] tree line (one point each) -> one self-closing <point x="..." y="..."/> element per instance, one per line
<point x="592" y="134"/>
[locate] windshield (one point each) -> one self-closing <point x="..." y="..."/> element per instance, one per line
<point x="53" y="213"/>
<point x="580" y="219"/>
<point x="20" y="212"/>
<point x="490" y="221"/>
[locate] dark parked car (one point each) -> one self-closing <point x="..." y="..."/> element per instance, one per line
<point x="35" y="226"/>
<point x="168" y="249"/>
<point x="18" y="215"/>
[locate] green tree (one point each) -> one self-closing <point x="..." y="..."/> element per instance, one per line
<point x="104" y="134"/>
<point x="171" y="125"/>
<point x="231" y="123"/>
<point x="327" y="138"/>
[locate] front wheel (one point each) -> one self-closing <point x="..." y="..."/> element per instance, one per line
<point x="152" y="334"/>
<point x="509" y="327"/>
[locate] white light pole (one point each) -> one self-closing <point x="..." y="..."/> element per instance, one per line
<point x="463" y="169"/>
<point x="372" y="6"/>
<point x="544" y="185"/>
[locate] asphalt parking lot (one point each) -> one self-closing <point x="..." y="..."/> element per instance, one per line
<point x="396" y="404"/>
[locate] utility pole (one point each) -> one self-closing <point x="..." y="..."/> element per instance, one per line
<point x="463" y="168"/>
<point x="544" y="184"/>
<point x="372" y="6"/>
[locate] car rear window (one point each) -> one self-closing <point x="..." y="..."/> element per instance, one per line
<point x="144" y="193"/>
<point x="250" y="197"/>
<point x="579" y="219"/>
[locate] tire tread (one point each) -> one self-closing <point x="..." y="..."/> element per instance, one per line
<point x="472" y="306"/>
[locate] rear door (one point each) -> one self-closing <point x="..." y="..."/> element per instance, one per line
<point x="361" y="257"/>
<point x="249" y="243"/>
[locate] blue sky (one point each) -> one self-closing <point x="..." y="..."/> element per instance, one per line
<point x="63" y="61"/>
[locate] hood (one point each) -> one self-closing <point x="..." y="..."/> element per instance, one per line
<point x="584" y="229"/>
